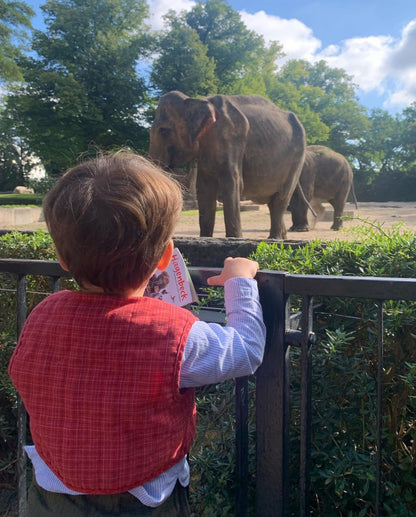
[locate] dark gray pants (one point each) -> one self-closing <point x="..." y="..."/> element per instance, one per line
<point x="42" y="503"/>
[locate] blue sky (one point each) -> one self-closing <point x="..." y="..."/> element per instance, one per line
<point x="373" y="40"/>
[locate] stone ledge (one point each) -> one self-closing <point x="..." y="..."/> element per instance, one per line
<point x="211" y="251"/>
<point x="19" y="215"/>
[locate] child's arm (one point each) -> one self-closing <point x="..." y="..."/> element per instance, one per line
<point x="214" y="353"/>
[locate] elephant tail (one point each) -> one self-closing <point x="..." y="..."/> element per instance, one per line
<point x="353" y="195"/>
<point x="303" y="197"/>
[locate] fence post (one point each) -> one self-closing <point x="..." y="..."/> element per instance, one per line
<point x="272" y="402"/>
<point x="241" y="446"/>
<point x="21" y="411"/>
<point x="305" y="405"/>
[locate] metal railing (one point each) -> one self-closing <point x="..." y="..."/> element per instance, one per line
<point x="272" y="378"/>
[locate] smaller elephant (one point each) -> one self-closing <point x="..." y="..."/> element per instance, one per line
<point x="326" y="175"/>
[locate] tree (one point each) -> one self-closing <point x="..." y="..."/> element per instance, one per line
<point x="289" y="90"/>
<point x="392" y="142"/>
<point x="339" y="108"/>
<point x="212" y="38"/>
<point x="183" y="63"/>
<point x="82" y="89"/>
<point x="409" y="135"/>
<point x="15" y="158"/>
<point x="237" y="51"/>
<point x="324" y="99"/>
<point x="14" y="20"/>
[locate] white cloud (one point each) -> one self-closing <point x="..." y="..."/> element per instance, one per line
<point x="297" y="39"/>
<point x="403" y="57"/>
<point x="401" y="66"/>
<point x="362" y="58"/>
<point x="380" y="64"/>
<point x="158" y="8"/>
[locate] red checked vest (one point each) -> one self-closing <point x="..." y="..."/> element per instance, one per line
<point x="99" y="377"/>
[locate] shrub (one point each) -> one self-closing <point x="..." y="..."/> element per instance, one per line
<point x="21" y="199"/>
<point x="344" y="369"/>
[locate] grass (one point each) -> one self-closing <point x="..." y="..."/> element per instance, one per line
<point x="196" y="212"/>
<point x="19" y="206"/>
<point x="190" y="212"/>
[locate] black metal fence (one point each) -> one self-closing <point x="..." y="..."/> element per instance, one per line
<point x="272" y="379"/>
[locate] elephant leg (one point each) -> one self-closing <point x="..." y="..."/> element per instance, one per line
<point x="299" y="211"/>
<point x="319" y="210"/>
<point x="338" y="206"/>
<point x="207" y="203"/>
<point x="232" y="217"/>
<point x="277" y="207"/>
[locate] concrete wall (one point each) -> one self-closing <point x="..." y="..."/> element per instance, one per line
<point x="20" y="215"/>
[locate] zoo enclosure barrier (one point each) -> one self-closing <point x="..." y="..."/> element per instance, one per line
<point x="272" y="378"/>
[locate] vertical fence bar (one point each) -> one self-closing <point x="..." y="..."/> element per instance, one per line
<point x="21" y="411"/>
<point x="55" y="283"/>
<point x="272" y="403"/>
<point x="380" y="357"/>
<point x="305" y="406"/>
<point x="241" y="445"/>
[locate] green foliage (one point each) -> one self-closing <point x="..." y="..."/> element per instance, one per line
<point x="20" y="199"/>
<point x="15" y="158"/>
<point x="325" y="101"/>
<point x="14" y="21"/>
<point x="183" y="63"/>
<point x="344" y="376"/>
<point x="82" y="86"/>
<point x="385" y="157"/>
<point x="8" y="423"/>
<point x="234" y="48"/>
<point x="212" y="458"/>
<point x="37" y="246"/>
<point x="373" y="252"/>
<point x="209" y="50"/>
<point x="289" y="90"/>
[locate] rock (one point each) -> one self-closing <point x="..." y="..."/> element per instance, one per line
<point x="23" y="190"/>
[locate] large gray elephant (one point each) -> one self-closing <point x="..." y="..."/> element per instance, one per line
<point x="326" y="176"/>
<point x="245" y="147"/>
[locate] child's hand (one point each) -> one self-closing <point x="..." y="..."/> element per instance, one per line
<point x="234" y="267"/>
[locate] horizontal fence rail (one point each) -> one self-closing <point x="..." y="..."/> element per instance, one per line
<point x="284" y="330"/>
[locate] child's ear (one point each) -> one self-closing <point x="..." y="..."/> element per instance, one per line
<point x="167" y="255"/>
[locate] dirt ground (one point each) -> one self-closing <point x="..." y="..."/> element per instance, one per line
<point x="256" y="221"/>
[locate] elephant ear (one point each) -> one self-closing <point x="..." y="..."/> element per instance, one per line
<point x="200" y="115"/>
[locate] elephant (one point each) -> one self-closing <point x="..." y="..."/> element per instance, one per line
<point x="326" y="175"/>
<point x="245" y="148"/>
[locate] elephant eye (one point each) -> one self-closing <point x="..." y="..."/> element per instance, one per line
<point x="164" y="132"/>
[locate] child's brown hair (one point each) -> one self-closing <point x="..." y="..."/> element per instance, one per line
<point x="111" y="219"/>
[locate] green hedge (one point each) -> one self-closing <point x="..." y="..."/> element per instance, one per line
<point x="21" y="199"/>
<point x="344" y="389"/>
<point x="343" y="379"/>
